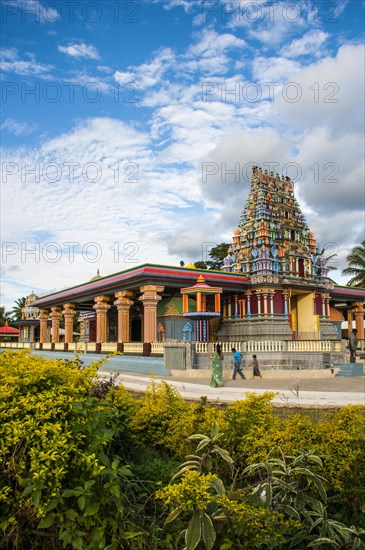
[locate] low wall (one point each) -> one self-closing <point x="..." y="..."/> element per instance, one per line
<point x="277" y="361"/>
<point x="203" y="374"/>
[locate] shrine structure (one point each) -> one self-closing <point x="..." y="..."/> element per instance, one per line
<point x="274" y="286"/>
<point x="273" y="247"/>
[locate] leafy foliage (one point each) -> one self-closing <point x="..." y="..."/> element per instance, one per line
<point x="16" y="312"/>
<point x="356" y="266"/>
<point x="81" y="460"/>
<point x="57" y="479"/>
<point x="217" y="255"/>
<point x="5" y="316"/>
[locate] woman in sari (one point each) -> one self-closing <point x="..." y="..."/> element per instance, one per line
<point x="217" y="368"/>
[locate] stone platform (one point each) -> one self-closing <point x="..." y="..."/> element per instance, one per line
<point x="350" y="369"/>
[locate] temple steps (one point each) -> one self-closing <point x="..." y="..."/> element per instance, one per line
<point x="123" y="363"/>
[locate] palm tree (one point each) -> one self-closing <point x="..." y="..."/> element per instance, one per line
<point x="356" y="266"/>
<point x="5" y="316"/>
<point x="17" y="309"/>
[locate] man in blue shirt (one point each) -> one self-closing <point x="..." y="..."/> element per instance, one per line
<point x="237" y="365"/>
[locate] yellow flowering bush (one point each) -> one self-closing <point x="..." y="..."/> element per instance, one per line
<point x="55" y="474"/>
<point x="193" y="492"/>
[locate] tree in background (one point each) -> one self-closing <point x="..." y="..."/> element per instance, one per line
<point x="217" y="255"/>
<point x="5" y="316"/>
<point x="16" y="312"/>
<point x="356" y="266"/>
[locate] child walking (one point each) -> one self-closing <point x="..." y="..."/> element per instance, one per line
<point x="255" y="367"/>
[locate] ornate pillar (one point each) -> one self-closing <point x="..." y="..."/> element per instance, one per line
<point x="229" y="307"/>
<point x="349" y="320"/>
<point x="217" y="303"/>
<point x="56" y="314"/>
<point x="271" y="294"/>
<point x="286" y="308"/>
<point x="185" y="303"/>
<point x="242" y="308"/>
<point x="150" y="298"/>
<point x="328" y="312"/>
<point x="43" y="318"/>
<point x="123" y="303"/>
<point x="248" y="294"/>
<point x="264" y="294"/>
<point x="323" y="296"/>
<point x="358" y="309"/>
<point x="258" y="294"/>
<point x="68" y="314"/>
<point x="101" y="307"/>
<point x="199" y="301"/>
<point x="235" y="306"/>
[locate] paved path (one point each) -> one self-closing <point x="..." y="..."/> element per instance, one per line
<point x="134" y="374"/>
<point x="323" y="393"/>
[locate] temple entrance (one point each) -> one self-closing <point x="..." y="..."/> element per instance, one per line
<point x="136" y="330"/>
<point x="36" y="332"/>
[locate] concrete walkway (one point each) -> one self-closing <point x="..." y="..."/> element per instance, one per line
<point x="136" y="373"/>
<point x="319" y="393"/>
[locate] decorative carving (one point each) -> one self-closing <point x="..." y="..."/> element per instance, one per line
<point x="271" y="228"/>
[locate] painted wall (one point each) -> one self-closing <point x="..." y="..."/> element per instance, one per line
<point x="306" y="318"/>
<point x="279" y="302"/>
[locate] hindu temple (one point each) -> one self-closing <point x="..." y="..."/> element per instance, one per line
<point x="274" y="286"/>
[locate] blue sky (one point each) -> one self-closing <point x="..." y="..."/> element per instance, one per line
<point x="129" y="128"/>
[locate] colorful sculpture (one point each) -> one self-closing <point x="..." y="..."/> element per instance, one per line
<point x="273" y="240"/>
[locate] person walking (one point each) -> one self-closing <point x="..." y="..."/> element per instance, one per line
<point x="217" y="368"/>
<point x="237" y="365"/>
<point x="255" y="367"/>
<point x="353" y="341"/>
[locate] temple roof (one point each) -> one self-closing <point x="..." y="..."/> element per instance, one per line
<point x="132" y="279"/>
<point x="8" y="330"/>
<point x="172" y="278"/>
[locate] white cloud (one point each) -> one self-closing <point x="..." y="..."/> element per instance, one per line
<point x="148" y="74"/>
<point x="209" y="54"/>
<point x="17" y="128"/>
<point x="11" y="63"/>
<point x="271" y="23"/>
<point x="187" y="5"/>
<point x="159" y="199"/>
<point x="274" y="69"/>
<point x="309" y="44"/>
<point x="122" y="208"/>
<point x="80" y="51"/>
<point x="332" y="93"/>
<point x="333" y="171"/>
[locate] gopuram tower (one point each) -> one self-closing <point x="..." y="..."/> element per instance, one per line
<point x="275" y="250"/>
